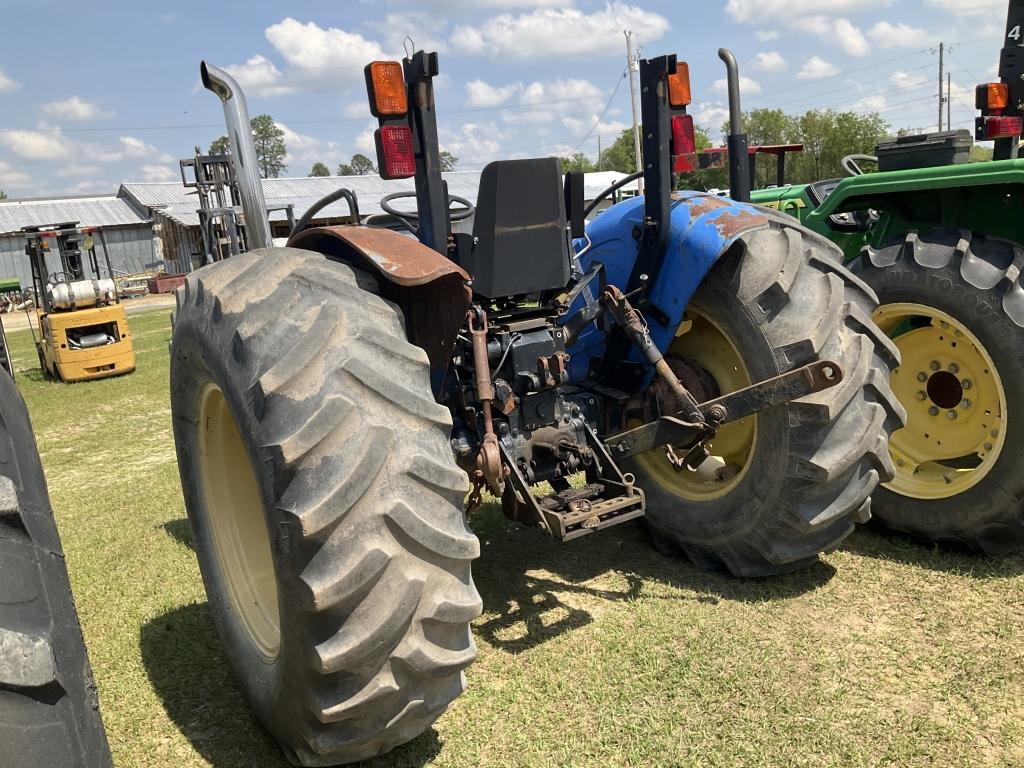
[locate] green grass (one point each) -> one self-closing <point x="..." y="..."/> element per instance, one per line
<point x="599" y="653"/>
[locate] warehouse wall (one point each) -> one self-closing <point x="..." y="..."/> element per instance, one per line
<point x="131" y="250"/>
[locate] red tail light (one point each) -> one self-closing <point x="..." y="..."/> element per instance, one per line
<point x="394" y="152"/>
<point x="684" y="144"/>
<point x="999" y="127"/>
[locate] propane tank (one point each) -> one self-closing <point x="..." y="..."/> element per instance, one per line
<point x="81" y="293"/>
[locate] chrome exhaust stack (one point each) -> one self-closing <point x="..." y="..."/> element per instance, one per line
<point x="243" y="153"/>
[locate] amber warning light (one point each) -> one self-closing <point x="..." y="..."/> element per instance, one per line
<point x="385" y="84"/>
<point x="679" y="86"/>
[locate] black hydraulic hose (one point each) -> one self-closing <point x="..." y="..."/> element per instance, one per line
<point x="611" y="190"/>
<point x="323" y="202"/>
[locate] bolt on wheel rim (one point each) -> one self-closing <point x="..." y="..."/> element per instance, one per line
<point x="955" y="402"/>
<point x="702" y="341"/>
<point x="239" y="533"/>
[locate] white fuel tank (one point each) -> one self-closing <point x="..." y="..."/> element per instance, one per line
<point x="81" y="293"/>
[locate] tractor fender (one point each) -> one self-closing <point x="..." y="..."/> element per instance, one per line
<point x="431" y="290"/>
<point x="703" y="227"/>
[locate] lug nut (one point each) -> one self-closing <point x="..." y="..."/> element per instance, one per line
<point x="988" y="446"/>
<point x="934" y="365"/>
<point x="994" y="433"/>
<point x="950" y="414"/>
<point x="933" y="411"/>
<point x="921" y="396"/>
<point x="954" y="368"/>
<point x="966" y="383"/>
<point x="943" y="324"/>
<point x="966" y="403"/>
<point x="922" y="376"/>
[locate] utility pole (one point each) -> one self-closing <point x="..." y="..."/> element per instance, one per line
<point x="600" y="160"/>
<point x="949" y="101"/>
<point x="632" y="65"/>
<point x="942" y="50"/>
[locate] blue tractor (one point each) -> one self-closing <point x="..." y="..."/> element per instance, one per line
<point x="706" y="365"/>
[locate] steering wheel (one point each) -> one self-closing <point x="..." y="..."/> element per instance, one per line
<point x="410" y="218"/>
<point x="849" y="163"/>
<point x="855" y="221"/>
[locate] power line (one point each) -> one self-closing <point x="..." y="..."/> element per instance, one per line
<point x="603" y="112"/>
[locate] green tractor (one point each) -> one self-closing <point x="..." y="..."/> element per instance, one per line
<point x="938" y="239"/>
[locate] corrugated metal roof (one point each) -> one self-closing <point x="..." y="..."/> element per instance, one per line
<point x="171" y="199"/>
<point x="369" y="189"/>
<point x="107" y="211"/>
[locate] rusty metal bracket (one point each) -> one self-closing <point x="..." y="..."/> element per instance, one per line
<point x="676" y="430"/>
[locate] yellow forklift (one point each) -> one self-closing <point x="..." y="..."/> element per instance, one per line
<point x="82" y="329"/>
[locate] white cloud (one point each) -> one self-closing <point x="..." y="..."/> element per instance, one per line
<point x="757" y="10"/>
<point x="473" y="143"/>
<point x="304" y="150"/>
<point x="558" y="32"/>
<point x="481" y="94"/>
<point x="579" y="126"/>
<point x="74" y="108"/>
<point x="816" y="68"/>
<point x="364" y="141"/>
<point x="897" y="35"/>
<point x="426" y="29"/>
<point x="259" y="76"/>
<point x="7" y="84"/>
<point x="748" y="86"/>
<point x="80" y="169"/>
<point x="907" y="80"/>
<point x="322" y="59"/>
<point x="159" y="173"/>
<point x="356" y="109"/>
<point x="766" y="35"/>
<point x="472" y="5"/>
<point x="137" y="149"/>
<point x="36" y="145"/>
<point x="770" y="61"/>
<point x="969" y="7"/>
<point x="10" y="176"/>
<point x="841" y="32"/>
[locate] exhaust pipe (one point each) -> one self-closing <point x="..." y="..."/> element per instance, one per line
<point x="739" y="159"/>
<point x="243" y="154"/>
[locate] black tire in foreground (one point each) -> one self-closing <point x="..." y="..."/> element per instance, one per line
<point x="791" y="482"/>
<point x="325" y="503"/>
<point x="49" y="712"/>
<point x="954" y="304"/>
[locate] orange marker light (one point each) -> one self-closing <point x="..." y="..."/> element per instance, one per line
<point x="679" y="85"/>
<point x="998" y="95"/>
<point x="385" y="84"/>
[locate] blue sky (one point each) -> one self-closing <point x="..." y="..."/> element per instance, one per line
<point x="96" y="93"/>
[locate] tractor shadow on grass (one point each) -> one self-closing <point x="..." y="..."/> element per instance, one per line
<point x="527" y="580"/>
<point x="180" y="530"/>
<point x="190" y="672"/>
<point x="882" y="544"/>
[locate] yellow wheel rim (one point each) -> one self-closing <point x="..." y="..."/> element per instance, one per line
<point x="703" y="341"/>
<point x="239" y="533"/>
<point x="955" y="402"/>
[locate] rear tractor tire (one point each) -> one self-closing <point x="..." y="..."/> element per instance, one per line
<point x="325" y="503"/>
<point x="49" y="711"/>
<point x="787" y="484"/>
<point x="954" y="306"/>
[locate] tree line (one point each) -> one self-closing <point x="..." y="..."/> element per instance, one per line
<point x="827" y="136"/>
<point x="271" y="152"/>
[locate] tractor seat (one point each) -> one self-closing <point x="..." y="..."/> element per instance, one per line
<point x="521" y="244"/>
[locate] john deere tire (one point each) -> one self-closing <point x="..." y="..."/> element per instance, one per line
<point x="954" y="305"/>
<point x="325" y="504"/>
<point x="791" y="482"/>
<point x="49" y="713"/>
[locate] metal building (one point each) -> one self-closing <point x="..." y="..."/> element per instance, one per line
<point x="127" y="231"/>
<point x="172" y="207"/>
